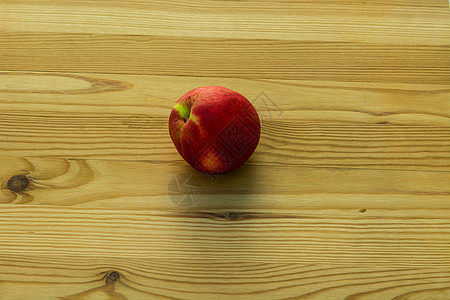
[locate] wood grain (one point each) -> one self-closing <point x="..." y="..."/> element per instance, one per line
<point x="407" y="128"/>
<point x="327" y="20"/>
<point x="155" y="279"/>
<point x="104" y="183"/>
<point x="211" y="235"/>
<point x="346" y="196"/>
<point x="235" y="58"/>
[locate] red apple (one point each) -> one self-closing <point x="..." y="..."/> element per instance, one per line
<point x="214" y="129"/>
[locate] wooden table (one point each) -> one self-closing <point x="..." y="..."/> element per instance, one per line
<point x="347" y="195"/>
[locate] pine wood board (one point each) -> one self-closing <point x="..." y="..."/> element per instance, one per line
<point x="346" y="196"/>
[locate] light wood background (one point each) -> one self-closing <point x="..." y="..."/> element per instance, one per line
<point x="347" y="195"/>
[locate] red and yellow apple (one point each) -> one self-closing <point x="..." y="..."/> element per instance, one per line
<point x="214" y="129"/>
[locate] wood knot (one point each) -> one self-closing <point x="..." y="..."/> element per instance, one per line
<point x="384" y="122"/>
<point x="363" y="210"/>
<point x="113" y="276"/>
<point x="232" y="216"/>
<point x="18" y="183"/>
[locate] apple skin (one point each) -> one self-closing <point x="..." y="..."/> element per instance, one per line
<point x="214" y="129"/>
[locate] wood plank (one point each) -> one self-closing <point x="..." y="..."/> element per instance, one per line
<point x="304" y="144"/>
<point x="149" y="185"/>
<point x="141" y="278"/>
<point x="218" y="57"/>
<point x="346" y="196"/>
<point x="203" y="236"/>
<point x="374" y="126"/>
<point x="300" y="20"/>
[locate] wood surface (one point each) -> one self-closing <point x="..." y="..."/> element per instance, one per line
<point x="346" y="197"/>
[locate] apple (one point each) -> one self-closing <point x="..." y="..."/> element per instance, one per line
<point x="214" y="129"/>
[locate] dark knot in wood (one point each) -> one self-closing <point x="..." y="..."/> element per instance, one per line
<point x="18" y="183"/>
<point x="232" y="216"/>
<point x="113" y="276"/>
